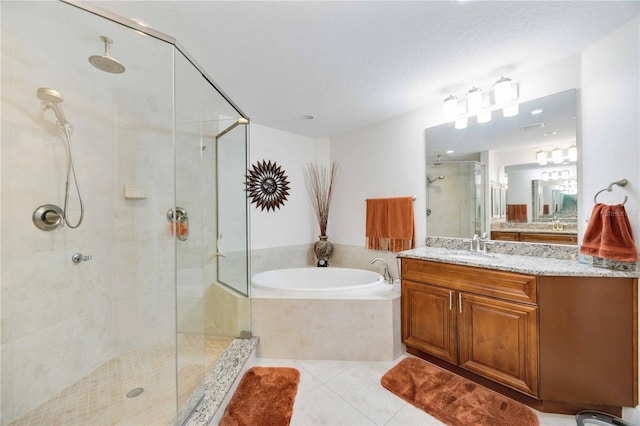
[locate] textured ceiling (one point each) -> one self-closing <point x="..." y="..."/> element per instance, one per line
<point x="354" y="63"/>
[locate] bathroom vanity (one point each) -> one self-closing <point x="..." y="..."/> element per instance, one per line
<point x="535" y="236"/>
<point x="554" y="334"/>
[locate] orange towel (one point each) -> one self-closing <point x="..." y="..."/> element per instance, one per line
<point x="608" y="234"/>
<point x="390" y="224"/>
<point x="182" y="228"/>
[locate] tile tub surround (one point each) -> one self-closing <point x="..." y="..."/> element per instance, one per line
<point x="366" y="328"/>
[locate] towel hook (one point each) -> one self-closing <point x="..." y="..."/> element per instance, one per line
<point x="621" y="182"/>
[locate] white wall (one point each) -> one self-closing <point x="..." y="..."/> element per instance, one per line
<point x="610" y="121"/>
<point x="611" y="129"/>
<point x="294" y="222"/>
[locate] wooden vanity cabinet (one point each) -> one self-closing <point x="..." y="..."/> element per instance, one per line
<point x="558" y="344"/>
<point x="535" y="237"/>
<point x="589" y="340"/>
<point x="483" y="321"/>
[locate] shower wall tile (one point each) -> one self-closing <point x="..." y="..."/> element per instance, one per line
<point x="59" y="318"/>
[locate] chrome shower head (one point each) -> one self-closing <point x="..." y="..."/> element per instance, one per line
<point x="105" y="62"/>
<point x="51" y="99"/>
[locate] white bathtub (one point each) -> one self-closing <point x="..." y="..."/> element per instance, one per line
<point x="325" y="313"/>
<point x="317" y="280"/>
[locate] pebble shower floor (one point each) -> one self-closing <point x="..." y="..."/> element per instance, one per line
<point x="100" y="396"/>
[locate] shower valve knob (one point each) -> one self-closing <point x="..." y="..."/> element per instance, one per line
<point x="79" y="257"/>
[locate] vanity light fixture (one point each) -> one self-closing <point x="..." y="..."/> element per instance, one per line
<point x="484" y="116"/>
<point x="502" y="91"/>
<point x="555" y="175"/>
<point x="564" y="174"/>
<point x="450" y="108"/>
<point x="511" y="110"/>
<point x="557" y="155"/>
<point x="544" y="175"/>
<point x="505" y="97"/>
<point x="461" y="122"/>
<point x="474" y="101"/>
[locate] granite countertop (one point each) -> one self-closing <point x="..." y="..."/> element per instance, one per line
<point x="532" y="265"/>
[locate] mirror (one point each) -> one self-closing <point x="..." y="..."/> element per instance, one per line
<point x="526" y="189"/>
<point x="553" y="200"/>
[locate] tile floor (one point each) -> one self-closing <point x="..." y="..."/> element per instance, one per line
<point x="349" y="393"/>
<point x="99" y="397"/>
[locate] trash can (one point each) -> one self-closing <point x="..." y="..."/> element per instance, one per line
<point x="586" y="418"/>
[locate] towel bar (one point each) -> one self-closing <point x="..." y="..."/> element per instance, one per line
<point x="621" y="182"/>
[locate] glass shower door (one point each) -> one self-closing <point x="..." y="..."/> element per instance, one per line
<point x="232" y="246"/>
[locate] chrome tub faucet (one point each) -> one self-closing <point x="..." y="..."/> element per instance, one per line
<point x="387" y="273"/>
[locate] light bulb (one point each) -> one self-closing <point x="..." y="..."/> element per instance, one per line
<point x="511" y="110"/>
<point x="502" y="91"/>
<point x="484" y="116"/>
<point x="461" y="123"/>
<point x="474" y="100"/>
<point x="450" y="108"/>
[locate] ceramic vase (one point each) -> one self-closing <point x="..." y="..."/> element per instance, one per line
<point x="323" y="250"/>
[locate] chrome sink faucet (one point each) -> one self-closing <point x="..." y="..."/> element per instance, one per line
<point x="482" y="244"/>
<point x="474" y="246"/>
<point x="478" y="244"/>
<point x="387" y="273"/>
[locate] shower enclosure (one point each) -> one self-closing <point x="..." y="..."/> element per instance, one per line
<point x="455" y="199"/>
<point x="115" y="318"/>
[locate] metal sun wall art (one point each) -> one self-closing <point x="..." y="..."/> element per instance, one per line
<point x="267" y="185"/>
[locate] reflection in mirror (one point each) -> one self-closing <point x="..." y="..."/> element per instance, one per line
<point x="554" y="201"/>
<point x="528" y="164"/>
<point x="455" y="198"/>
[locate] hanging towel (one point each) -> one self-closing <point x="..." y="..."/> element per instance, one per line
<point x="390" y="224"/>
<point x="608" y="234"/>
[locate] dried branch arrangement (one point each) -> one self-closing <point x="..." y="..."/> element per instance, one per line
<point x="320" y="183"/>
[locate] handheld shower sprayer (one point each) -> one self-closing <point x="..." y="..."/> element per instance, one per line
<point x="52" y="99"/>
<point x="49" y="217"/>
<point x="430" y="181"/>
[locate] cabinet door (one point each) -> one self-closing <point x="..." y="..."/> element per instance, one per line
<point x="429" y="319"/>
<point x="499" y="340"/>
